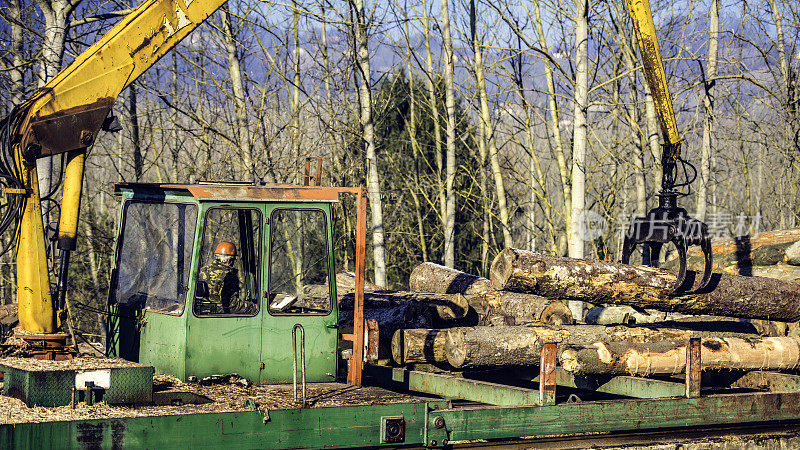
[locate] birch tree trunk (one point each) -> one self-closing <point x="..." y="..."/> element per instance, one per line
<point x="57" y="14"/>
<point x="437" y="131"/>
<point x="296" y="93"/>
<point x="368" y="128"/>
<point x="488" y="128"/>
<point x="539" y="193"/>
<point x="629" y="56"/>
<point x="553" y="121"/>
<point x="138" y="156"/>
<point x="652" y="127"/>
<point x="579" y="136"/>
<point x="708" y="109"/>
<point x="239" y="96"/>
<point x="450" y="106"/>
<point x="416" y="150"/>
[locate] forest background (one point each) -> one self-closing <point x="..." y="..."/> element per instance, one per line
<point x="475" y="125"/>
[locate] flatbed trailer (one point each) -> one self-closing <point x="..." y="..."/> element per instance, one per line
<point x="398" y="407"/>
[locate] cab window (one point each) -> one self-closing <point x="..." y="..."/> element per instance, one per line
<point x="227" y="281"/>
<point x="299" y="281"/>
<point x="155" y="256"/>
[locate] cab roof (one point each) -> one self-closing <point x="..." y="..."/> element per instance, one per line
<point x="233" y="191"/>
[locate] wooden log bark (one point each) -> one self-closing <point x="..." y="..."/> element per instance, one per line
<point x="447" y="307"/>
<point x="770" y="353"/>
<point x="467" y="347"/>
<point x="529" y="308"/>
<point x="499" y="346"/>
<point x="736" y="255"/>
<point x="643" y="287"/>
<point x="435" y="278"/>
<point x="413" y="346"/>
<point x="346" y="284"/>
<point x="391" y="319"/>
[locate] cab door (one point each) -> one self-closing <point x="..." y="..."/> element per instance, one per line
<point x="299" y="291"/>
<point x="227" y="340"/>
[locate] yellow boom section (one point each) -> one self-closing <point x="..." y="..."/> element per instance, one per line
<point x="654" y="73"/>
<point x="66" y="115"/>
<point x="137" y="42"/>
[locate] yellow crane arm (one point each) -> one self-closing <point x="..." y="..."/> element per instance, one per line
<point x="654" y="73"/>
<point x="65" y="116"/>
<point x="93" y="81"/>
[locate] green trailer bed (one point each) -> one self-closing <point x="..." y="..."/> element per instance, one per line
<point x="231" y="414"/>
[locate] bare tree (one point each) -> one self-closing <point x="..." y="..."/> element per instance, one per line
<point x="708" y="109"/>
<point x="368" y="129"/>
<point x="239" y="96"/>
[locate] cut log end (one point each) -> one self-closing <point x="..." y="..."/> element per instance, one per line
<point x="455" y="344"/>
<point x="556" y="313"/>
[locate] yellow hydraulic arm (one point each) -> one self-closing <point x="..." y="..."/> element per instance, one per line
<point x="645" y="31"/>
<point x="65" y="117"/>
<point x="666" y="223"/>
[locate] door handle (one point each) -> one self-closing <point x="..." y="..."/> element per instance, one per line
<point x="332" y="325"/>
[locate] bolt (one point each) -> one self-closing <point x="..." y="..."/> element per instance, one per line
<point x="32" y="151"/>
<point x="86" y="137"/>
<point x="439" y="422"/>
<point x="444" y="441"/>
<point x="433" y="442"/>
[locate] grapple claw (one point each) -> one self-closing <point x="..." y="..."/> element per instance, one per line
<point x="708" y="256"/>
<point x="664" y="224"/>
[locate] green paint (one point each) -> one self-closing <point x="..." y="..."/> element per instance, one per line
<point x="617" y="415"/>
<point x="451" y="387"/>
<point x="187" y="345"/>
<point x="340" y="427"/>
<point x="622" y="385"/>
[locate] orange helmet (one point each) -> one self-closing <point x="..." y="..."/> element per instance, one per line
<point x="225" y="248"/>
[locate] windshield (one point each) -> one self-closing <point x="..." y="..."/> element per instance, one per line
<point x="155" y="256"/>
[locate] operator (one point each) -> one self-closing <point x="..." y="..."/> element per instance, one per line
<point x="222" y="280"/>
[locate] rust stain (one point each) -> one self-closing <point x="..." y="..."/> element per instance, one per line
<point x="232" y="192"/>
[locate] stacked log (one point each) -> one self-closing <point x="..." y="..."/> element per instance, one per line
<point x="491" y="306"/>
<point x="435" y="278"/>
<point x="771" y="254"/>
<point x="422" y="345"/>
<point x="643" y="287"/>
<point x="480" y="347"/>
<point x="623" y="358"/>
<point x="444" y="306"/>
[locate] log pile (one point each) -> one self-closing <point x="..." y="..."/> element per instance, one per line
<point x="774" y="254"/>
<point x="643" y="287"/>
<point x="461" y="322"/>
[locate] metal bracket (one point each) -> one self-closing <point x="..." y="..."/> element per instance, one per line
<point x="693" y="368"/>
<point x="547" y="375"/>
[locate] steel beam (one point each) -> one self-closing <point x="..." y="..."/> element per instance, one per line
<point x="625" y="386"/>
<point x="607" y="416"/>
<point x="448" y="386"/>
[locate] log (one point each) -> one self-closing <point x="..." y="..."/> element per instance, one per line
<point x="467" y="347"/>
<point x="501" y="346"/>
<point x="785" y="272"/>
<point x="529" y="308"/>
<point x="346" y="284"/>
<point x="435" y="278"/>
<point x="447" y="307"/>
<point x="621" y="358"/>
<point x="390" y="319"/>
<point x="643" y="287"/>
<point x="737" y="255"/>
<point x="793" y="254"/>
<point x="412" y="346"/>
